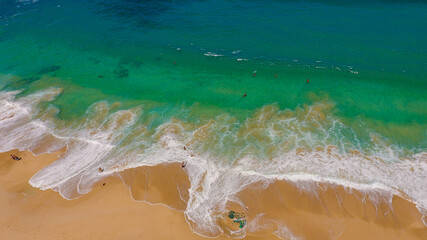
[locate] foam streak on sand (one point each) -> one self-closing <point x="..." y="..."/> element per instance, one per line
<point x="295" y="152"/>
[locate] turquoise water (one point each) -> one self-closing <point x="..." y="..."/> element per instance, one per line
<point x="153" y="76"/>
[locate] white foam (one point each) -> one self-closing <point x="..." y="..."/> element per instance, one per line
<point x="17" y="126"/>
<point x="27" y="1"/>
<point x="87" y="145"/>
<point x="283" y="232"/>
<point x="87" y="150"/>
<point x="212" y="54"/>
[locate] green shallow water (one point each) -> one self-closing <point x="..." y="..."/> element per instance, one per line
<point x="368" y="60"/>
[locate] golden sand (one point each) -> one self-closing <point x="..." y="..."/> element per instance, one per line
<point x="110" y="212"/>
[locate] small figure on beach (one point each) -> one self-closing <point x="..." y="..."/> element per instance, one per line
<point x="237" y="218"/>
<point x="103" y="184"/>
<point x="16" y="158"/>
<point x="183" y="164"/>
<point x="100" y="169"/>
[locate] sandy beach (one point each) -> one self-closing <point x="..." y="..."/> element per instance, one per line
<point x="109" y="212"/>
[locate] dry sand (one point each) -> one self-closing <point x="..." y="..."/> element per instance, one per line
<point x="109" y="212"/>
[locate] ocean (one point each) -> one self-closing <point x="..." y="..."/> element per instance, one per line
<point x="242" y="91"/>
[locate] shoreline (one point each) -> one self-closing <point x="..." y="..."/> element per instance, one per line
<point x="24" y="129"/>
<point x="121" y="207"/>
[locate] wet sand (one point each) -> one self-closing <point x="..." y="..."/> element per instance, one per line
<point x="332" y="212"/>
<point x="110" y="212"/>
